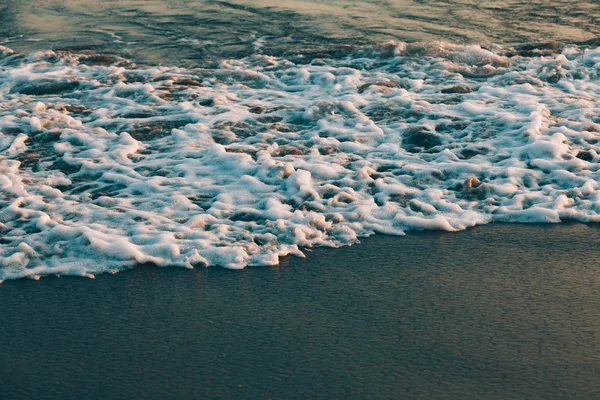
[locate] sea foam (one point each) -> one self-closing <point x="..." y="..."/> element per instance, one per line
<point x="105" y="165"/>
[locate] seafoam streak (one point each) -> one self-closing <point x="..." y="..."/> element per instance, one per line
<point x="104" y="165"/>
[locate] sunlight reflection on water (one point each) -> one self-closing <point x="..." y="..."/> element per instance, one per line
<point x="186" y="32"/>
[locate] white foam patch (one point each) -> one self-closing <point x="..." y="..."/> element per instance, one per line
<point x="105" y="165"/>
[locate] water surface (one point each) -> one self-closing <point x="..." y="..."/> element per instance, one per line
<point x="188" y="33"/>
<point x="498" y="311"/>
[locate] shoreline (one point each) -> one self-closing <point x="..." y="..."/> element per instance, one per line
<point x="497" y="311"/>
<point x="291" y="260"/>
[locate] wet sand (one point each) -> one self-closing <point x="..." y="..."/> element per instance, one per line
<point x="496" y="312"/>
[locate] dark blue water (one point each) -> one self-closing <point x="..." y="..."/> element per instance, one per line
<point x="497" y="312"/>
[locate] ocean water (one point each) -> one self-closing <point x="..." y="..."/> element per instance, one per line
<point x="232" y="134"/>
<point x="262" y="134"/>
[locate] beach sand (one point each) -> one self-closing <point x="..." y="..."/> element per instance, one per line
<point x="495" y="312"/>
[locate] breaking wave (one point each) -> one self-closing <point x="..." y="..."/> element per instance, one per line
<point x="105" y="164"/>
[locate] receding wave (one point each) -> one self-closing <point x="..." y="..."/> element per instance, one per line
<point x="105" y="164"/>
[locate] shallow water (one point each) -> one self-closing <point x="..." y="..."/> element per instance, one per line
<point x="186" y="133"/>
<point x="499" y="311"/>
<point x="265" y="142"/>
<point x="192" y="33"/>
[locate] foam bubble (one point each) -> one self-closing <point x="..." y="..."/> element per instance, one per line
<point x="105" y="165"/>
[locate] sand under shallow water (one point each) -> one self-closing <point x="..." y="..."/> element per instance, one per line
<point x="499" y="311"/>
